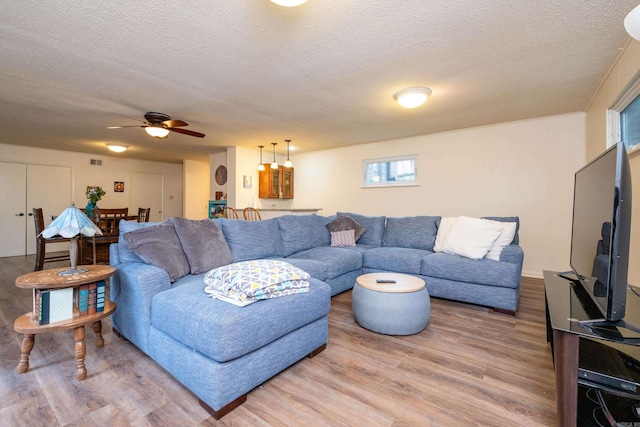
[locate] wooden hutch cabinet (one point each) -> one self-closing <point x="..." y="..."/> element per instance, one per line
<point x="276" y="183"/>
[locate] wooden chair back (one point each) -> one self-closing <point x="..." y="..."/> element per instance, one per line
<point x="108" y="220"/>
<point x="229" y="213"/>
<point x="41" y="242"/>
<point x="251" y="214"/>
<point x="143" y="214"/>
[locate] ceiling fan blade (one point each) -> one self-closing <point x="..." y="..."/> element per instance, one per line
<point x="174" y="123"/>
<point x="132" y="118"/>
<point x="187" y="132"/>
<point x="132" y="126"/>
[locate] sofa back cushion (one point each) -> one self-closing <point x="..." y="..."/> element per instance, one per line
<point x="302" y="232"/>
<point x="253" y="239"/>
<point x="414" y="232"/>
<point x="373" y="224"/>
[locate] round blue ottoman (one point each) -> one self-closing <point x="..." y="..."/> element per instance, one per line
<point x="401" y="307"/>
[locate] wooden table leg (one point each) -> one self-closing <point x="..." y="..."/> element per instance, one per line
<point x="97" y="328"/>
<point x="565" y="348"/>
<point x="25" y="351"/>
<point x="81" y="351"/>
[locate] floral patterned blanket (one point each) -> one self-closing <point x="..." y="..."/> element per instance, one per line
<point x="246" y="282"/>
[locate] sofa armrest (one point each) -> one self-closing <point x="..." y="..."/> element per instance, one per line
<point x="513" y="254"/>
<point x="135" y="286"/>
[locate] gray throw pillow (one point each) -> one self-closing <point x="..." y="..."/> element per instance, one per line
<point x="203" y="243"/>
<point x="159" y="245"/>
<point x="344" y="223"/>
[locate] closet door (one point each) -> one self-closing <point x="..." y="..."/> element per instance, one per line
<point x="49" y="188"/>
<point x="13" y="215"/>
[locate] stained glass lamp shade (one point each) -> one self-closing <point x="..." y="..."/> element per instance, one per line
<point x="69" y="224"/>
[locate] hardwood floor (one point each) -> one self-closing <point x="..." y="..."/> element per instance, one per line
<point x="470" y="366"/>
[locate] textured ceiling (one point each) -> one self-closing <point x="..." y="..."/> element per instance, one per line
<point x="249" y="72"/>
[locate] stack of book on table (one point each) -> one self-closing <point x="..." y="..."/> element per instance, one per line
<point x="57" y="305"/>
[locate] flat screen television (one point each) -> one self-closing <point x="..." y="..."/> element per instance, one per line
<point x="601" y="230"/>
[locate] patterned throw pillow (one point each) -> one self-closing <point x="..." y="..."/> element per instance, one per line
<point x="343" y="238"/>
<point x="346" y="223"/>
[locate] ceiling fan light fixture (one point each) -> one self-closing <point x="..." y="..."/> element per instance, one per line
<point x="117" y="148"/>
<point x="289" y="3"/>
<point x="412" y="97"/>
<point x="632" y="23"/>
<point x="157" y="131"/>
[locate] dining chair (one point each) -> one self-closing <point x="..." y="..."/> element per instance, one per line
<point x="143" y="214"/>
<point x="229" y="213"/>
<point x="251" y="214"/>
<point x="41" y="243"/>
<point x="107" y="220"/>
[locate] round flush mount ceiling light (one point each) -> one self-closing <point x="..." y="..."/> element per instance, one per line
<point x="412" y="97"/>
<point x="117" y="148"/>
<point x="289" y="3"/>
<point x="632" y="23"/>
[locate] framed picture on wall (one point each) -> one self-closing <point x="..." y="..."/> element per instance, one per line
<point x="247" y="181"/>
<point x="118" y="186"/>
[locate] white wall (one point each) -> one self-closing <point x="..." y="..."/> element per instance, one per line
<point x="621" y="72"/>
<point x="196" y="189"/>
<point x="522" y="168"/>
<point x="113" y="169"/>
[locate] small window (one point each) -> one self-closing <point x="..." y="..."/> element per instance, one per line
<point x="390" y="171"/>
<point x="630" y="124"/>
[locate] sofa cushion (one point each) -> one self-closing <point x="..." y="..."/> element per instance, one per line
<point x="346" y="223"/>
<point x="416" y="232"/>
<point x="472" y="237"/>
<point x="373" y="224"/>
<point x="338" y="260"/>
<point x="203" y="243"/>
<point x="159" y="245"/>
<point x="253" y="239"/>
<point x="460" y="269"/>
<point x="302" y="232"/>
<point x="126" y="254"/>
<point x="223" y="331"/>
<point x="316" y="269"/>
<point x="400" y="260"/>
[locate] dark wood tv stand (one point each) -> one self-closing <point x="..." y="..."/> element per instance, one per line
<point x="564" y="309"/>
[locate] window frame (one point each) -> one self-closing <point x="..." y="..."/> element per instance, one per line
<point x="614" y="129"/>
<point x="366" y="162"/>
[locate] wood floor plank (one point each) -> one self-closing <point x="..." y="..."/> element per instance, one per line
<point x="470" y="366"/>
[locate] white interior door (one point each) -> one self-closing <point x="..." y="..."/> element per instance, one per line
<point x="13" y="215"/>
<point x="49" y="188"/>
<point x="146" y="192"/>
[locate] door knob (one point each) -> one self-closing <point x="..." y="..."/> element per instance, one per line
<point x="30" y="214"/>
<point x="20" y="214"/>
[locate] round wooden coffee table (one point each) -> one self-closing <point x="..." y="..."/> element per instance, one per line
<point x="399" y="307"/>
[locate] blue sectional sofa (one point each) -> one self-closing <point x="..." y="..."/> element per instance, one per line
<point x="221" y="351"/>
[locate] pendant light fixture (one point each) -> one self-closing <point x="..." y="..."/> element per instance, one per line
<point x="261" y="166"/>
<point x="288" y="163"/>
<point x="274" y="165"/>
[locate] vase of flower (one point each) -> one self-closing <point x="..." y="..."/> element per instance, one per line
<point x="94" y="194"/>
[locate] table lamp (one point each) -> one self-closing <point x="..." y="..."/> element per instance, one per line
<point x="71" y="222"/>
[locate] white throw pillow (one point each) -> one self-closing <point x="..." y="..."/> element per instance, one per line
<point x="504" y="240"/>
<point x="471" y="237"/>
<point x="443" y="231"/>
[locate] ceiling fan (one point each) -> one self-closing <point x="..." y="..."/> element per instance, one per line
<point x="158" y="125"/>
